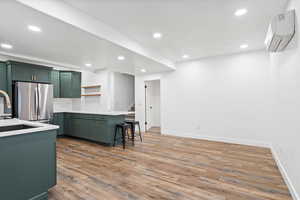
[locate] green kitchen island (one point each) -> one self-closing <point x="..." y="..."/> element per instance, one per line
<point x="27" y="159"/>
<point x="90" y="125"/>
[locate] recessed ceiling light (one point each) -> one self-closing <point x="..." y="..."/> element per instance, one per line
<point x="241" y="12"/>
<point x="185" y="56"/>
<point x="244" y="46"/>
<point x="121" y="58"/>
<point x="88" y="64"/>
<point x="34" y="28"/>
<point x="6" y="46"/>
<point x="157" y="35"/>
<point x="143" y="70"/>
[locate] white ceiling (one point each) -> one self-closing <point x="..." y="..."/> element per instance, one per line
<point x="62" y="44"/>
<point x="200" y="28"/>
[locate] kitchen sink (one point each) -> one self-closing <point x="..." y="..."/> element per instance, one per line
<point x="15" y="127"/>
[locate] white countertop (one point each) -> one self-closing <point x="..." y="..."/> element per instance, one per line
<point x="114" y="113"/>
<point x="12" y="122"/>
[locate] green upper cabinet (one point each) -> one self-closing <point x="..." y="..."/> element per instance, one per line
<point x="56" y="83"/>
<point x="76" y="84"/>
<point x="29" y="72"/>
<point x="3" y="76"/>
<point x="66" y="84"/>
<point x="70" y="84"/>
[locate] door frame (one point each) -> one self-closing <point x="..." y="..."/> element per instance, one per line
<point x="145" y="109"/>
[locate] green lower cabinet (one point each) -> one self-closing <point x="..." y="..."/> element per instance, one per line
<point x="58" y="119"/>
<point x="98" y="128"/>
<point x="28" y="166"/>
<point x="43" y="196"/>
<point x="89" y="129"/>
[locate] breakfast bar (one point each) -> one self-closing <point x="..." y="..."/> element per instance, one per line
<point x="90" y="125"/>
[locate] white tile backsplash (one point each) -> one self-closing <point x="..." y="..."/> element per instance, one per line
<point x="88" y="104"/>
<point x="62" y="104"/>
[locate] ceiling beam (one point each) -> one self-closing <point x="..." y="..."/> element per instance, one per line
<point x="68" y="14"/>
<point x="5" y="56"/>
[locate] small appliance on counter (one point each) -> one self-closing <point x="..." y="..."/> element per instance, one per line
<point x="33" y="101"/>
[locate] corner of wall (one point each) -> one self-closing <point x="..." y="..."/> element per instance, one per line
<point x="284" y="173"/>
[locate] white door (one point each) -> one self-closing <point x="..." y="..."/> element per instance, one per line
<point x="152" y="104"/>
<point x="148" y="107"/>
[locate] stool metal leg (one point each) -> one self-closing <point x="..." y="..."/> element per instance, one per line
<point x="124" y="137"/>
<point x="133" y="135"/>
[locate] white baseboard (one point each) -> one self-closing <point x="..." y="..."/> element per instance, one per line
<point x="244" y="142"/>
<point x="284" y="174"/>
<point x="218" y="139"/>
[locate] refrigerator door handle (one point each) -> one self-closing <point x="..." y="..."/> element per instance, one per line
<point x="36" y="102"/>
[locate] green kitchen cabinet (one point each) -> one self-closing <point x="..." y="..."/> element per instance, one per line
<point x="70" y="84"/>
<point x="3" y="76"/>
<point x="55" y="80"/>
<point x="58" y="119"/>
<point x="28" y="165"/>
<point x="94" y="127"/>
<point x="67" y="124"/>
<point x="29" y="72"/>
<point x="4" y="82"/>
<point x="18" y="71"/>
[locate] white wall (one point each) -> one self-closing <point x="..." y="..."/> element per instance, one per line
<point x="102" y="103"/>
<point x="228" y="97"/>
<point x="287" y="113"/>
<point x="123" y="91"/>
<point x="251" y="98"/>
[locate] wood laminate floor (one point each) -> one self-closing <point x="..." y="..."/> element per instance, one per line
<point x="166" y="167"/>
<point x="156" y="130"/>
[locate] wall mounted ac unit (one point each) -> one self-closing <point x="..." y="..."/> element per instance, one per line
<point x="281" y="31"/>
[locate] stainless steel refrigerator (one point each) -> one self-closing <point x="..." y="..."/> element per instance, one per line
<point x="33" y="101"/>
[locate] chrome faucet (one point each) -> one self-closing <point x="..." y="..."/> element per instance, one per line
<point x="7" y="100"/>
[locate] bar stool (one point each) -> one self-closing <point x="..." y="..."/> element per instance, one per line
<point x="133" y="124"/>
<point x="124" y="127"/>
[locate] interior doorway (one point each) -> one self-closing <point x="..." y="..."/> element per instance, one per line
<point x="152" y="106"/>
